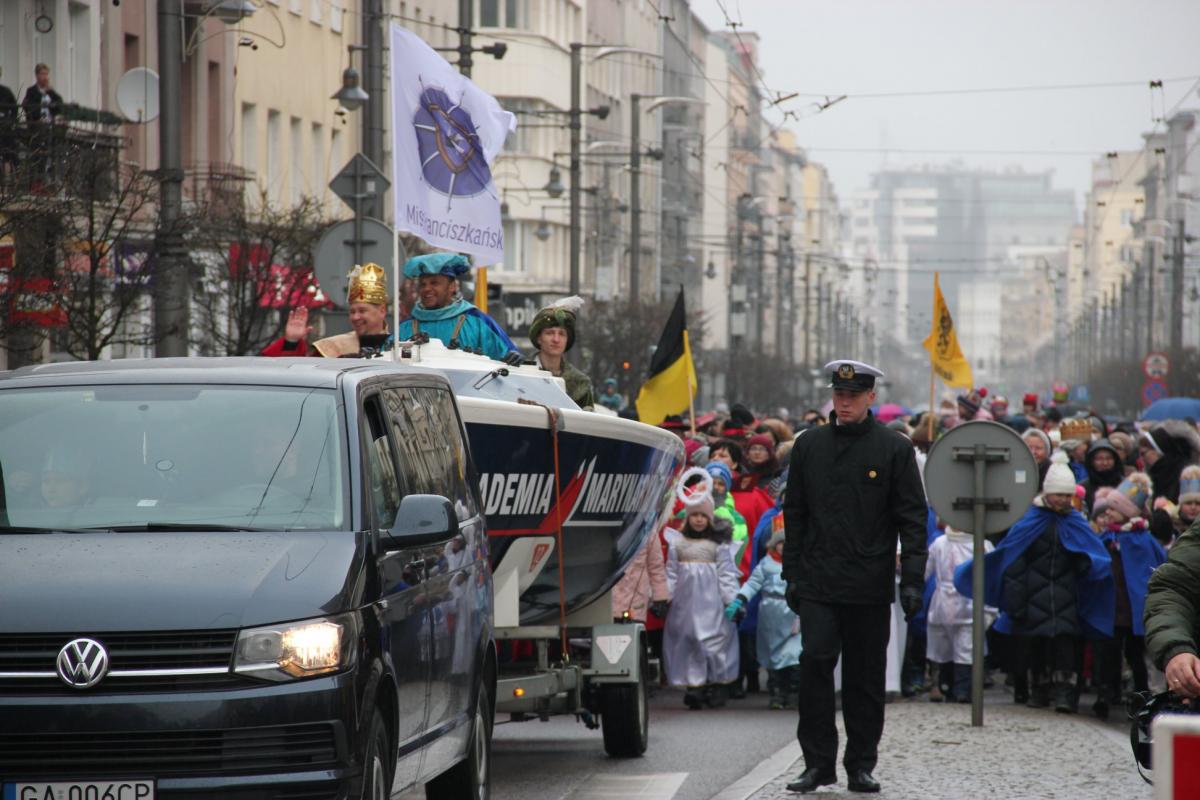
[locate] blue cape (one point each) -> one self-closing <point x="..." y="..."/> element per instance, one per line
<point x="1140" y="554"/>
<point x="1094" y="589"/>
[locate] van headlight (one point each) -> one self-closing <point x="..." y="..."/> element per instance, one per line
<point x="297" y="649"/>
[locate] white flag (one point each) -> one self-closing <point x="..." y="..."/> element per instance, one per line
<point x="446" y="133"/>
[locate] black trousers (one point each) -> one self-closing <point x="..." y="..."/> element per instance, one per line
<point x="859" y="635"/>
<point x="1108" y="663"/>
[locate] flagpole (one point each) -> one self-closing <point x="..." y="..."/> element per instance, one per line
<point x="691" y="387"/>
<point x="929" y="422"/>
<point x="395" y="291"/>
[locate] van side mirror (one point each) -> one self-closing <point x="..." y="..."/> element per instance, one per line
<point x="423" y="519"/>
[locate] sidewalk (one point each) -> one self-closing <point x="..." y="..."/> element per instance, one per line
<point x="930" y="751"/>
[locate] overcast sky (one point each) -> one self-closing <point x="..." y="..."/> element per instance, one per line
<point x="854" y="47"/>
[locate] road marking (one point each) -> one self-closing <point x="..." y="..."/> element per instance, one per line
<point x="662" y="786"/>
<point x="766" y="771"/>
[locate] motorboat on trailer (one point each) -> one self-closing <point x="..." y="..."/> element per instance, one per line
<point x="613" y="480"/>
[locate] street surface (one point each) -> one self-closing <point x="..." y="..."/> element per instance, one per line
<point x="929" y="751"/>
<point x="692" y="754"/>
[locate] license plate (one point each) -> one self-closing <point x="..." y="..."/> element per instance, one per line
<point x="80" y="790"/>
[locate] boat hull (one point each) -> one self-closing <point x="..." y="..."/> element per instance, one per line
<point x="615" y="480"/>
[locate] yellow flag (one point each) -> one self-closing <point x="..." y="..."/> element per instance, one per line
<point x="942" y="343"/>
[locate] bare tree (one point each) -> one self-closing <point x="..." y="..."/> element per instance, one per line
<point x="82" y="263"/>
<point x="256" y="261"/>
<point x="617" y="340"/>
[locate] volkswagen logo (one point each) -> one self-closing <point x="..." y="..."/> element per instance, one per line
<point x="82" y="663"/>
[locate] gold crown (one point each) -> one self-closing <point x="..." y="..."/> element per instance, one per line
<point x="368" y="284"/>
<point x="1075" y="429"/>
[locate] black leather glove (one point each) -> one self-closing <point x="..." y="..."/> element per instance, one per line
<point x="659" y="608"/>
<point x="792" y="596"/>
<point x="513" y="358"/>
<point x="911" y="600"/>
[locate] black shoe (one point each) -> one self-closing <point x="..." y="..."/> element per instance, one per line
<point x="736" y="692"/>
<point x="861" y="781"/>
<point x="753" y="686"/>
<point x="1100" y="708"/>
<point x="692" y="701"/>
<point x="1021" y="696"/>
<point x="811" y="778"/>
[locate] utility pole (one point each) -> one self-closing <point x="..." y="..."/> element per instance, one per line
<point x="373" y="110"/>
<point x="1150" y="302"/>
<point x="807" y="309"/>
<point x="576" y="126"/>
<point x="172" y="320"/>
<point x="465" y="21"/>
<point x="1177" y="291"/>
<point x="635" y="196"/>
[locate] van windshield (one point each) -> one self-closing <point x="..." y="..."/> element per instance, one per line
<point x="171" y="457"/>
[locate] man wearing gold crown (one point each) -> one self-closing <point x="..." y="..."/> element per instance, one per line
<point x="368" y="317"/>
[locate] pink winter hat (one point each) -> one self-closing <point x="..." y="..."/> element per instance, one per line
<point x="1108" y="497"/>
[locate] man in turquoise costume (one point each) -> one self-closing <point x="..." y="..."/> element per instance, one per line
<point x="442" y="312"/>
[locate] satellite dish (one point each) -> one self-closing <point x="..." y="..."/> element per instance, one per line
<point x="137" y="94"/>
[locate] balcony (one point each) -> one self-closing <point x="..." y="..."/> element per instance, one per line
<point x="216" y="187"/>
<point x="72" y="157"/>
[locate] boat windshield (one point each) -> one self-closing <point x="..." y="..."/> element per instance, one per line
<point x="500" y="384"/>
<point x="171" y="457"/>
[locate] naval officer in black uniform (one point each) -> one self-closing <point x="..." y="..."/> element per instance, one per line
<point x="853" y="490"/>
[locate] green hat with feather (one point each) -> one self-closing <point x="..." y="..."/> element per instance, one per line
<point x="559" y="314"/>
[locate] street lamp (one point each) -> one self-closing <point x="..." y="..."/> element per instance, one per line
<point x="576" y="126"/>
<point x="635" y="215"/>
<point x="554" y="186"/>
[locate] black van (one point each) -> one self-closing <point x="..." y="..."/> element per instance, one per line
<point x="240" y="578"/>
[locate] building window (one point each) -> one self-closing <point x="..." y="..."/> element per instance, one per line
<point x="319" y="170"/>
<point x="296" y="145"/>
<point x="503" y="13"/>
<point x="514" y="247"/>
<point x="314" y="10"/>
<point x="249" y="137"/>
<point x="274" y="154"/>
<point x="335" y="15"/>
<point x="1126" y="217"/>
<point x="296" y="7"/>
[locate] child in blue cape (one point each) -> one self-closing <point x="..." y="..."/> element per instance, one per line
<point x="1052" y="579"/>
<point x="1135" y="553"/>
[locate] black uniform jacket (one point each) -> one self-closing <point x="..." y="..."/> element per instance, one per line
<point x="852" y="490"/>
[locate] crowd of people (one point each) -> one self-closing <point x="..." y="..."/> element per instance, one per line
<point x="1066" y="586"/>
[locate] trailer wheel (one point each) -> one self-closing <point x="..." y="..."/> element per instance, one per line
<point x="625" y="716"/>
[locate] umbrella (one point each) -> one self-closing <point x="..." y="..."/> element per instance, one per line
<point x="1173" y="408"/>
<point x="889" y="411"/>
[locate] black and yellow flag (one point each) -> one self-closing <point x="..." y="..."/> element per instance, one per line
<point x="945" y="355"/>
<point x="672" y="382"/>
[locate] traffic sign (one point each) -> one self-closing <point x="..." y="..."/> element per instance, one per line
<point x="361" y="183"/>
<point x="1010" y="480"/>
<point x="1153" y="389"/>
<point x="335" y="255"/>
<point x="1156" y="366"/>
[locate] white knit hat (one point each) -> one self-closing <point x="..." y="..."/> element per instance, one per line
<point x="1059" y="478"/>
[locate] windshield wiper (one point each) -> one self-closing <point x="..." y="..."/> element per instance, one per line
<point x="32" y="529"/>
<point x="198" y="527"/>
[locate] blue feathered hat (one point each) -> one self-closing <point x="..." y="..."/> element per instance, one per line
<point x="452" y="265"/>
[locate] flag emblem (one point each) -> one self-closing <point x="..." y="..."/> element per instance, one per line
<point x="448" y="145"/>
